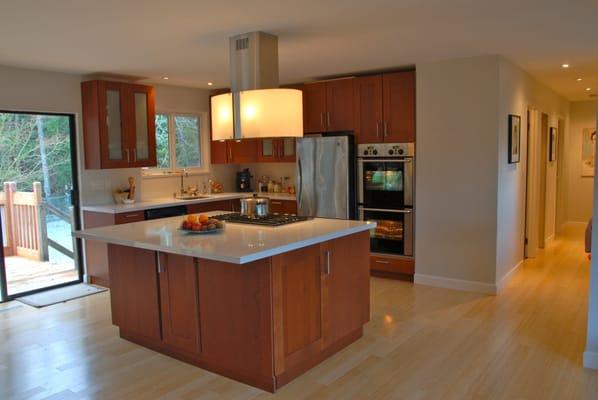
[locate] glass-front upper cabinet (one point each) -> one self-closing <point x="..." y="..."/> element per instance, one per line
<point x="143" y="136"/>
<point x="277" y="150"/>
<point x="118" y="125"/>
<point x="287" y="150"/>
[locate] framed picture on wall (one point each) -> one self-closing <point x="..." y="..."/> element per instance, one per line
<point x="514" y="138"/>
<point x="552" y="144"/>
<point x="588" y="145"/>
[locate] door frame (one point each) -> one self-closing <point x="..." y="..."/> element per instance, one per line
<point x="532" y="182"/>
<point x="75" y="202"/>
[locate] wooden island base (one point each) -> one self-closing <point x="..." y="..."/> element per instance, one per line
<point x="263" y="323"/>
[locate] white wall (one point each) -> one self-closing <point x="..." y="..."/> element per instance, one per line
<point x="590" y="357"/>
<point x="518" y="91"/>
<point x="580" y="189"/>
<point x="457" y="119"/>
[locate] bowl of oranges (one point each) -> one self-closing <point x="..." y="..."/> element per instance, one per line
<point x="200" y="224"/>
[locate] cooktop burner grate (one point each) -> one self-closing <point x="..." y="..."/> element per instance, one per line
<point x="270" y="220"/>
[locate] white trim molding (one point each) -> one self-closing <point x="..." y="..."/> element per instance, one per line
<point x="590" y="359"/>
<point x="455" y="284"/>
<point x="508" y="276"/>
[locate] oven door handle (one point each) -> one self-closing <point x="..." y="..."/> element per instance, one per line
<point x="377" y="160"/>
<point x="387" y="210"/>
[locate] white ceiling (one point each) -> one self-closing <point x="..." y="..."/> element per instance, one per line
<point x="187" y="40"/>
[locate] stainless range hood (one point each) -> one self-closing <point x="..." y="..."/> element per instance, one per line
<point x="256" y="108"/>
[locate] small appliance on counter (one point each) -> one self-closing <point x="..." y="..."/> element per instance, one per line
<point x="244" y="181"/>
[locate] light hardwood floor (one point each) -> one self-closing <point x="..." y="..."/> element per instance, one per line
<point x="422" y="343"/>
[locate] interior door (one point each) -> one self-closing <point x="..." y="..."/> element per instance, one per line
<point x="399" y="107"/>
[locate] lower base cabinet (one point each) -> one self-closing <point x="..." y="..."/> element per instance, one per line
<point x="402" y="268"/>
<point x="262" y="323"/>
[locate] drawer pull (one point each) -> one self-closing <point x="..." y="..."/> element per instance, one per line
<point x="382" y="262"/>
<point x="276" y="202"/>
<point x="132" y="215"/>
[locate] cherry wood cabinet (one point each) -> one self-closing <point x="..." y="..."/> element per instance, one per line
<point x="179" y="302"/>
<point x="118" y="125"/>
<point x="385" y="107"/>
<point x="328" y="106"/>
<point x="277" y="150"/>
<point x="395" y="267"/>
<point x="283" y="207"/>
<point x="221" y="205"/>
<point x="399" y="106"/>
<point x="218" y="152"/>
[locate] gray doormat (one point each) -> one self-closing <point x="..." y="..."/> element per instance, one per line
<point x="60" y="295"/>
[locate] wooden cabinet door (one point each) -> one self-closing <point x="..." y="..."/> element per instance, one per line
<point x="141" y="123"/>
<point x="222" y="205"/>
<point x="367" y="100"/>
<point x="345" y="264"/>
<point x="314" y="107"/>
<point x="179" y="302"/>
<point x="339" y="105"/>
<point x="242" y="151"/>
<point x="289" y="207"/>
<point x="134" y="291"/>
<point x="399" y="106"/>
<point x="128" y="217"/>
<point x="276" y="207"/>
<point x="287" y="150"/>
<point x="113" y="129"/>
<point x="218" y="152"/>
<point x="267" y="150"/>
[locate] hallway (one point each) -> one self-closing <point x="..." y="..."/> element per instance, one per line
<point x="422" y="342"/>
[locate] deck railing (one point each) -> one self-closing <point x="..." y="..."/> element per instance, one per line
<point x="24" y="222"/>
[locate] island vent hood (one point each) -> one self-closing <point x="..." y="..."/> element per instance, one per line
<point x="256" y="107"/>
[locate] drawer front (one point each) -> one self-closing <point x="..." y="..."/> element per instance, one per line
<point x="221" y="205"/>
<point x="128" y="217"/>
<point x="283" y="207"/>
<point x="393" y="265"/>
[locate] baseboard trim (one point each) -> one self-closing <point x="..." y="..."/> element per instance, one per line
<point x="455" y="284"/>
<point x="590" y="359"/>
<point x="508" y="276"/>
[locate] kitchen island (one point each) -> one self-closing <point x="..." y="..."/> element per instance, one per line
<point x="257" y="304"/>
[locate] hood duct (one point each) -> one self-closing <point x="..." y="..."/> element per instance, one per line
<point x="256" y="107"/>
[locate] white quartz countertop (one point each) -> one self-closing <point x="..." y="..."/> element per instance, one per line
<point x="238" y="243"/>
<point x="171" y="201"/>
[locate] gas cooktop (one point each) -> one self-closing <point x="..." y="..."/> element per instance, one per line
<point x="270" y="220"/>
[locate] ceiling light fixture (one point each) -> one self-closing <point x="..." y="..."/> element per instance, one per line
<point x="579" y="79"/>
<point x="165" y="78"/>
<point x="565" y="65"/>
<point x="210" y="83"/>
<point x="588" y="89"/>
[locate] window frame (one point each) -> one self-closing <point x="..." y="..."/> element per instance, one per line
<point x="204" y="141"/>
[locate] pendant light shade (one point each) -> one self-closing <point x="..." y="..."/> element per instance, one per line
<point x="271" y="113"/>
<point x="222" y="117"/>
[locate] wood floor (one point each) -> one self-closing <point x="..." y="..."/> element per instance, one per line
<point x="422" y="343"/>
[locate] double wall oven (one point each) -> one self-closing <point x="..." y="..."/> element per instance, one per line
<point x="385" y="195"/>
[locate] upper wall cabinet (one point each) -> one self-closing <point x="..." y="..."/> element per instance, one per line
<point x="118" y="125"/>
<point x="276" y="150"/>
<point x="385" y="107"/>
<point x="328" y="106"/>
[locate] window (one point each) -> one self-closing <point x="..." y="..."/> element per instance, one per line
<point x="179" y="144"/>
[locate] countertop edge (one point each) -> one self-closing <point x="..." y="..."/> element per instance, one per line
<point x="123" y="208"/>
<point x="234" y="260"/>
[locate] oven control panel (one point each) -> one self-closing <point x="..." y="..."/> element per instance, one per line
<point x="381" y="150"/>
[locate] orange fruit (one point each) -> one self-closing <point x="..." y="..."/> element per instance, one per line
<point x="203" y="218"/>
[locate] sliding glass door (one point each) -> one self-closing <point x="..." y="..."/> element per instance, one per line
<point x="38" y="203"/>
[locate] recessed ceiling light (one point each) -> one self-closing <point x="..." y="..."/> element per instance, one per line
<point x="165" y="78"/>
<point x="565" y="65"/>
<point x="579" y="79"/>
<point x="210" y="83"/>
<point x="588" y="89"/>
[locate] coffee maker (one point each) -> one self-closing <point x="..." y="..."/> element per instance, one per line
<point x="244" y="181"/>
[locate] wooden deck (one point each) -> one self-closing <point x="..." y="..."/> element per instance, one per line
<point x="23" y="274"/>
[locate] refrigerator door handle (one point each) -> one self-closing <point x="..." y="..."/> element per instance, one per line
<point x="300" y="180"/>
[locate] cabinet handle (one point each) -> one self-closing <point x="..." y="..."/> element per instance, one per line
<point x="322" y="119"/>
<point x="132" y="215"/>
<point x="278" y="203"/>
<point x="159" y="262"/>
<point x="230" y="153"/>
<point x="327" y="262"/>
<point x="385" y="129"/>
<point x="377" y="129"/>
<point x="134" y="155"/>
<point x="328" y="118"/>
<point x="382" y="262"/>
<point x="127" y="155"/>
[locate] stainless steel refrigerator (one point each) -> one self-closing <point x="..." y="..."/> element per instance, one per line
<point x="326" y="177"/>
